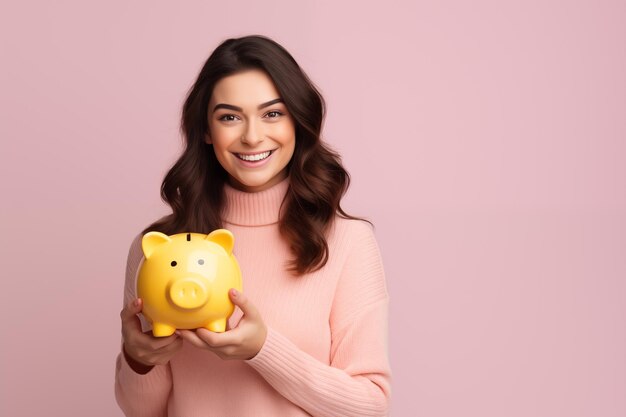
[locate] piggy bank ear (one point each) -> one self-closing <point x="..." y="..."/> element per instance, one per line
<point x="224" y="238"/>
<point x="151" y="240"/>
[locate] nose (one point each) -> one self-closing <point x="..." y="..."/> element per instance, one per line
<point x="189" y="293"/>
<point x="253" y="134"/>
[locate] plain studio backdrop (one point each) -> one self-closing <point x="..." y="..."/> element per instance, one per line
<point x="486" y="141"/>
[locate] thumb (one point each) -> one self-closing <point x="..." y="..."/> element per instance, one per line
<point x="131" y="309"/>
<point x="241" y="301"/>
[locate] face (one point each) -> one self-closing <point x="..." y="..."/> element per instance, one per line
<point x="251" y="131"/>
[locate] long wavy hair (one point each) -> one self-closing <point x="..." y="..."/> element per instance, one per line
<point x="194" y="186"/>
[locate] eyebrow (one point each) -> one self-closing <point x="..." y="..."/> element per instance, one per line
<point x="231" y="107"/>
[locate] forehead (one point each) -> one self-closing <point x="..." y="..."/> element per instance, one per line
<point x="247" y="87"/>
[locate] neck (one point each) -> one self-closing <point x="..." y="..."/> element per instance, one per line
<point x="254" y="209"/>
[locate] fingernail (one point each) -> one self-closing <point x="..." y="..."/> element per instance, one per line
<point x="136" y="303"/>
<point x="177" y="332"/>
<point x="234" y="292"/>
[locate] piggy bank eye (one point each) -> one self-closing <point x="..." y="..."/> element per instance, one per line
<point x="173" y="263"/>
<point x="201" y="261"/>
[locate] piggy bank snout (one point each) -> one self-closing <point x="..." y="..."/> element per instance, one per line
<point x="189" y="293"/>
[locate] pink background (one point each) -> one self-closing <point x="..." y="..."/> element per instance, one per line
<point x="486" y="140"/>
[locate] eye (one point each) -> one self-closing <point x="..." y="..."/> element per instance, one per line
<point x="173" y="263"/>
<point x="277" y="113"/>
<point x="226" y="118"/>
<point x="200" y="261"/>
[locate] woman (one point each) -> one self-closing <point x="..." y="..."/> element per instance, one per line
<point x="309" y="336"/>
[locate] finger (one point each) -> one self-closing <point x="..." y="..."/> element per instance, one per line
<point x="131" y="309"/>
<point x="192" y="338"/>
<point x="131" y="326"/>
<point x="147" y="341"/>
<point x="171" y="348"/>
<point x="156" y="343"/>
<point x="218" y="340"/>
<point x="162" y="355"/>
<point x="144" y="351"/>
<point x="243" y="302"/>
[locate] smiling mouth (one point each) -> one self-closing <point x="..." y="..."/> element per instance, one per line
<point x="254" y="157"/>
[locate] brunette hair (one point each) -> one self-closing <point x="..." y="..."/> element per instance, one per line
<point x="194" y="186"/>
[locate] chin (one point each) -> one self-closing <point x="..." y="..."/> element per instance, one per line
<point x="252" y="183"/>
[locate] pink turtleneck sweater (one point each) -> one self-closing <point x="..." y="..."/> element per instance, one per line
<point x="326" y="347"/>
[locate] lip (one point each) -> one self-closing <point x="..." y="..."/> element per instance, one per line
<point x="253" y="153"/>
<point x="256" y="164"/>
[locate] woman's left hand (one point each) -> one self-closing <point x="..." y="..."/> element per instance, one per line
<point x="242" y="342"/>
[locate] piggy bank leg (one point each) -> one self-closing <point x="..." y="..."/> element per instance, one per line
<point x="162" y="329"/>
<point x="218" y="325"/>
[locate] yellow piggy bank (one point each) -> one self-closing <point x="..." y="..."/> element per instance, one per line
<point x="185" y="278"/>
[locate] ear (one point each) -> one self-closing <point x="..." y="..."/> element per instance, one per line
<point x="151" y="240"/>
<point x="207" y="139"/>
<point x="224" y="238"/>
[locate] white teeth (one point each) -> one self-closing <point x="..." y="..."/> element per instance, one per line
<point x="254" y="158"/>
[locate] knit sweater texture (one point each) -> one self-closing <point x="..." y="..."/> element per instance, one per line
<point x="326" y="348"/>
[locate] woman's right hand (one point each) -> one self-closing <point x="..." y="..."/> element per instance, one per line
<point x="142" y="350"/>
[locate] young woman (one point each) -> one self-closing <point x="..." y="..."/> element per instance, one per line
<point x="309" y="336"/>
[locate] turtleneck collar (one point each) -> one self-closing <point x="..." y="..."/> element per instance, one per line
<point x="254" y="209"/>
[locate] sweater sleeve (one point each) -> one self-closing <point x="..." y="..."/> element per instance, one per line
<point x="140" y="395"/>
<point x="357" y="381"/>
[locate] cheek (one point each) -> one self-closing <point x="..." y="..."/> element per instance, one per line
<point x="286" y="134"/>
<point x="222" y="139"/>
